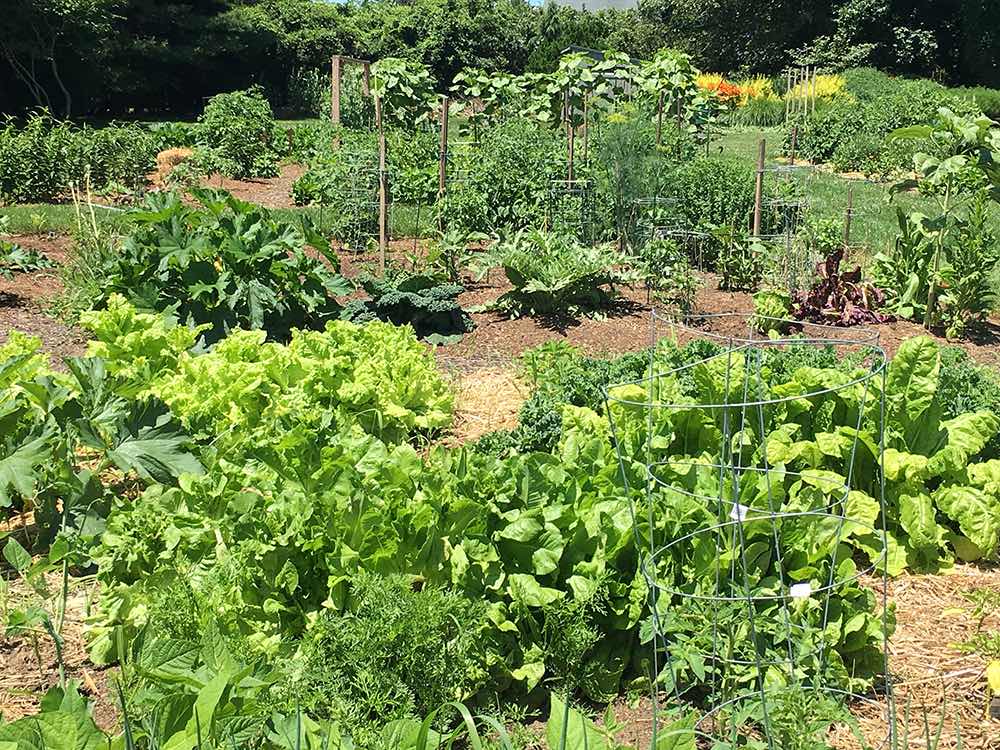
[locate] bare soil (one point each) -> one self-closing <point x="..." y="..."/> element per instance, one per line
<point x="272" y="192"/>
<point x="25" y="299"/>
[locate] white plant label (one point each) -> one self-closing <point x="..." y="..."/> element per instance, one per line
<point x="800" y="590"/>
<point x="739" y="512"/>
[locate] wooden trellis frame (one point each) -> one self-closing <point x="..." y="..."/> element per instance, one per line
<point x="336" y="77"/>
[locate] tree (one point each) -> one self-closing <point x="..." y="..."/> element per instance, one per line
<point x="35" y="33"/>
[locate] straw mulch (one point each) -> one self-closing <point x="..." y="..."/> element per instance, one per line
<point x="931" y="675"/>
<point x="488" y="397"/>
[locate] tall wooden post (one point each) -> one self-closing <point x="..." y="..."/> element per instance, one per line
<point x="758" y="192"/>
<point x="571" y="146"/>
<point x="848" y="216"/>
<point x="788" y="92"/>
<point x="443" y="149"/>
<point x="366" y="78"/>
<point x="795" y="143"/>
<point x="335" y="74"/>
<point x="586" y="134"/>
<point x="815" y="89"/>
<point x="659" y="120"/>
<point x="383" y="189"/>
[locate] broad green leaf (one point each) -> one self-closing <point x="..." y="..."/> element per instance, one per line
<point x="527" y="590"/>
<point x="904" y="467"/>
<point x="57" y="730"/>
<point x="532" y="670"/>
<point x="16" y="555"/>
<point x="911" y="384"/>
<point x="916" y="515"/>
<point x="678" y="734"/>
<point x="976" y="512"/>
<point x="19" y="471"/>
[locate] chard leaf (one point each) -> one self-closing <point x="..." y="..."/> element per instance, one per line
<point x="976" y="512"/>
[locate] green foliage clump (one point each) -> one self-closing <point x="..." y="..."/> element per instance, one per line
<point x="939" y="268"/>
<point x="666" y="269"/>
<point x="554" y="274"/>
<point x="42" y="158"/>
<point x="770" y="311"/>
<point x="239" y="127"/>
<point x="711" y="191"/>
<point x="758" y="112"/>
<point x="854" y="135"/>
<point x="397" y="651"/>
<point x="967" y="387"/>
<point x="246" y="394"/>
<point x="987" y="99"/>
<point x="508" y="175"/>
<point x="17" y="259"/>
<point x="225" y="264"/>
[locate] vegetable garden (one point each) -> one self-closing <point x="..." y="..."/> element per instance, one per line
<point x="247" y="502"/>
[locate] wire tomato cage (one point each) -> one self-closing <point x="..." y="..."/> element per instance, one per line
<point x="758" y="507"/>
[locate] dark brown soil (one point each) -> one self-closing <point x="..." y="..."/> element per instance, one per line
<point x="272" y="192"/>
<point x="24" y="301"/>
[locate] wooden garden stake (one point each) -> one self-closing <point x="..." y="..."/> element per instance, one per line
<point x="659" y="120"/>
<point x="758" y="193"/>
<point x="383" y="189"/>
<point x="571" y="145"/>
<point x="586" y="134"/>
<point x="788" y="92"/>
<point x="443" y="150"/>
<point x="815" y="89"/>
<point x="335" y="90"/>
<point x="366" y="78"/>
<point x="848" y="216"/>
<point x="795" y="142"/>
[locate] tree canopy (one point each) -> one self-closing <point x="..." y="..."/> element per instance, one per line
<point x="122" y="56"/>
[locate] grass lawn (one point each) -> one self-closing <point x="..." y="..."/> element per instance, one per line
<point x="874" y="224"/>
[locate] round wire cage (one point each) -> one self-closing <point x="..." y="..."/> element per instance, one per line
<point x="570" y="208"/>
<point x="755" y="540"/>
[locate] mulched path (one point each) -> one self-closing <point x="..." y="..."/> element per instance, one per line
<point x="272" y="192"/>
<point x="24" y="301"/>
<point x="627" y="327"/>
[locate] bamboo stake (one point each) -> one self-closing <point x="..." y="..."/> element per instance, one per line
<point x="383" y="191"/>
<point x="848" y="216"/>
<point x="335" y="90"/>
<point x="443" y="150"/>
<point x="758" y="193"/>
<point x="659" y="120"/>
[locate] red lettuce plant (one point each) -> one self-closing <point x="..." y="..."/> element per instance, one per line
<point x="839" y="298"/>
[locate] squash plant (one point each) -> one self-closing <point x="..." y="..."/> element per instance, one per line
<point x="406" y="89"/>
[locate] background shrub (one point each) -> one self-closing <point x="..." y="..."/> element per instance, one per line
<point x="853" y="135"/>
<point x="42" y="157"/>
<point x="240" y="125"/>
<point x="988" y="100"/>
